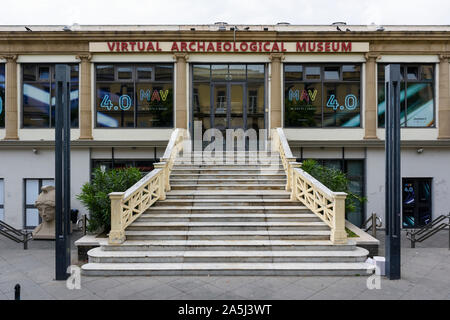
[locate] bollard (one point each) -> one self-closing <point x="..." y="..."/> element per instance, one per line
<point x="17" y="292"/>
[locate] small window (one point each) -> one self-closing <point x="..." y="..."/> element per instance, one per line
<point x="164" y="72"/>
<point x="144" y="72"/>
<point x="351" y="72"/>
<point x="293" y="72"/>
<point x="201" y="72"/>
<point x="426" y="72"/>
<point x="29" y="72"/>
<point x="44" y="73"/>
<point x="331" y="73"/>
<point x="312" y="73"/>
<point x="413" y="73"/>
<point x="124" y="73"/>
<point x="255" y="72"/>
<point x="105" y="72"/>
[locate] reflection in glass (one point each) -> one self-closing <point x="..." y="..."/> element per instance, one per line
<point x="312" y="73"/>
<point x="351" y="72"/>
<point x="420" y="109"/>
<point x="219" y="72"/>
<point x="201" y="72"/>
<point x="236" y="106"/>
<point x="124" y="73"/>
<point x="154" y="105"/>
<point x="36" y="105"/>
<point x="144" y="72"/>
<point x="255" y="106"/>
<point x="237" y="72"/>
<point x="341" y="105"/>
<point x="202" y="104"/>
<point x="331" y="73"/>
<point x="113" y="105"/>
<point x="105" y="72"/>
<point x="303" y="105"/>
<point x="164" y="72"/>
<point x="255" y="72"/>
<point x="293" y="72"/>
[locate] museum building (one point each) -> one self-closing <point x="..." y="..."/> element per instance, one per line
<point x="131" y="86"/>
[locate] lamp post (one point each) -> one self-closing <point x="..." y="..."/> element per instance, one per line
<point x="392" y="143"/>
<point x="62" y="171"/>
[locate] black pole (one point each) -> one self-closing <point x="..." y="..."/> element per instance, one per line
<point x="17" y="292"/>
<point x="392" y="94"/>
<point x="62" y="171"/>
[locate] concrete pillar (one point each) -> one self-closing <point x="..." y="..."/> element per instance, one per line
<point x="11" y="112"/>
<point x="370" y="112"/>
<point x="444" y="98"/>
<point x="180" y="91"/>
<point x="85" y="98"/>
<point x="275" y="90"/>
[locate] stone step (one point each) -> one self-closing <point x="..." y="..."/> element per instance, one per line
<point x="142" y="225"/>
<point x="229" y="187"/>
<point x="226" y="203"/>
<point x="263" y="176"/>
<point x="228" y="235"/>
<point x="227" y="209"/>
<point x="237" y="166"/>
<point x="250" y="269"/>
<point x="228" y="194"/>
<point x="239" y="171"/>
<point x="229" y="217"/>
<point x="225" y="182"/>
<point x="227" y="245"/>
<point x="97" y="255"/>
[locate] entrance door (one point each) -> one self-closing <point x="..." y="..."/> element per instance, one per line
<point x="416" y="202"/>
<point x="228" y="108"/>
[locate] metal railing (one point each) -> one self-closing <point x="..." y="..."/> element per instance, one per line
<point x="375" y="223"/>
<point x="429" y="230"/>
<point x="82" y="223"/>
<point x="19" y="236"/>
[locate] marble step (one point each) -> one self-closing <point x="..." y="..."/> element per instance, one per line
<point x="228" y="235"/>
<point x="229" y="217"/>
<point x="228" y="209"/>
<point x="142" y="225"/>
<point x="228" y="194"/>
<point x="97" y="255"/>
<point x="177" y="182"/>
<point x="227" y="245"/>
<point x="249" y="269"/>
<point x="229" y="186"/>
<point x="226" y="203"/>
<point x="237" y="166"/>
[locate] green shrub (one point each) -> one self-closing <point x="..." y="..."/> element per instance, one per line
<point x="94" y="194"/>
<point x="335" y="180"/>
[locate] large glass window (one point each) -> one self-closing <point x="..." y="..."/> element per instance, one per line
<point x="134" y="95"/>
<point x="32" y="190"/>
<point x="2" y="96"/>
<point x="38" y="98"/>
<point x="229" y="95"/>
<point x="416" y="96"/>
<point x="322" y="95"/>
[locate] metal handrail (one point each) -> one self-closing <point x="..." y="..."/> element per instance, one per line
<point x="82" y="223"/>
<point x="19" y="236"/>
<point x="376" y="223"/>
<point x="430" y="229"/>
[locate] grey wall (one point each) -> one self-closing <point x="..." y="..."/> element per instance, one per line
<point x="432" y="163"/>
<point x="18" y="164"/>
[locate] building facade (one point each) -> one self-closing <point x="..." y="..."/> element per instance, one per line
<point x="132" y="85"/>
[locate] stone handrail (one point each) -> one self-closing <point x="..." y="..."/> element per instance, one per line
<point x="129" y="205"/>
<point x="326" y="204"/>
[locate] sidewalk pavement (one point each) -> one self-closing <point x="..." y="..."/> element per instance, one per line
<point x="425" y="275"/>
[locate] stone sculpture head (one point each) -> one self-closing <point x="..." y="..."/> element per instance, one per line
<point x="45" y="203"/>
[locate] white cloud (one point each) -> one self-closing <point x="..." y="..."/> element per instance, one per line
<point x="232" y="11"/>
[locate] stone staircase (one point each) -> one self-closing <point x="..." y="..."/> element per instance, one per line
<point x="227" y="219"/>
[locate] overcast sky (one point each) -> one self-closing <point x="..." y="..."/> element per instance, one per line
<point x="232" y="11"/>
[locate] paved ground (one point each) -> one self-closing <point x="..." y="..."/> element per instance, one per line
<point x="425" y="275"/>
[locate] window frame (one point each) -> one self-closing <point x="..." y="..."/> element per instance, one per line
<point x="28" y="206"/>
<point x="323" y="81"/>
<point x="51" y="82"/>
<point x="134" y="81"/>
<point x="405" y="81"/>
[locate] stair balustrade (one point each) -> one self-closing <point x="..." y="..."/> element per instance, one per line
<point x="127" y="206"/>
<point x="329" y="206"/>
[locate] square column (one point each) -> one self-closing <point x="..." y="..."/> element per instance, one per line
<point x="444" y="98"/>
<point x="370" y="112"/>
<point x="275" y="90"/>
<point x="85" y="98"/>
<point x="11" y="112"/>
<point x="180" y="91"/>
